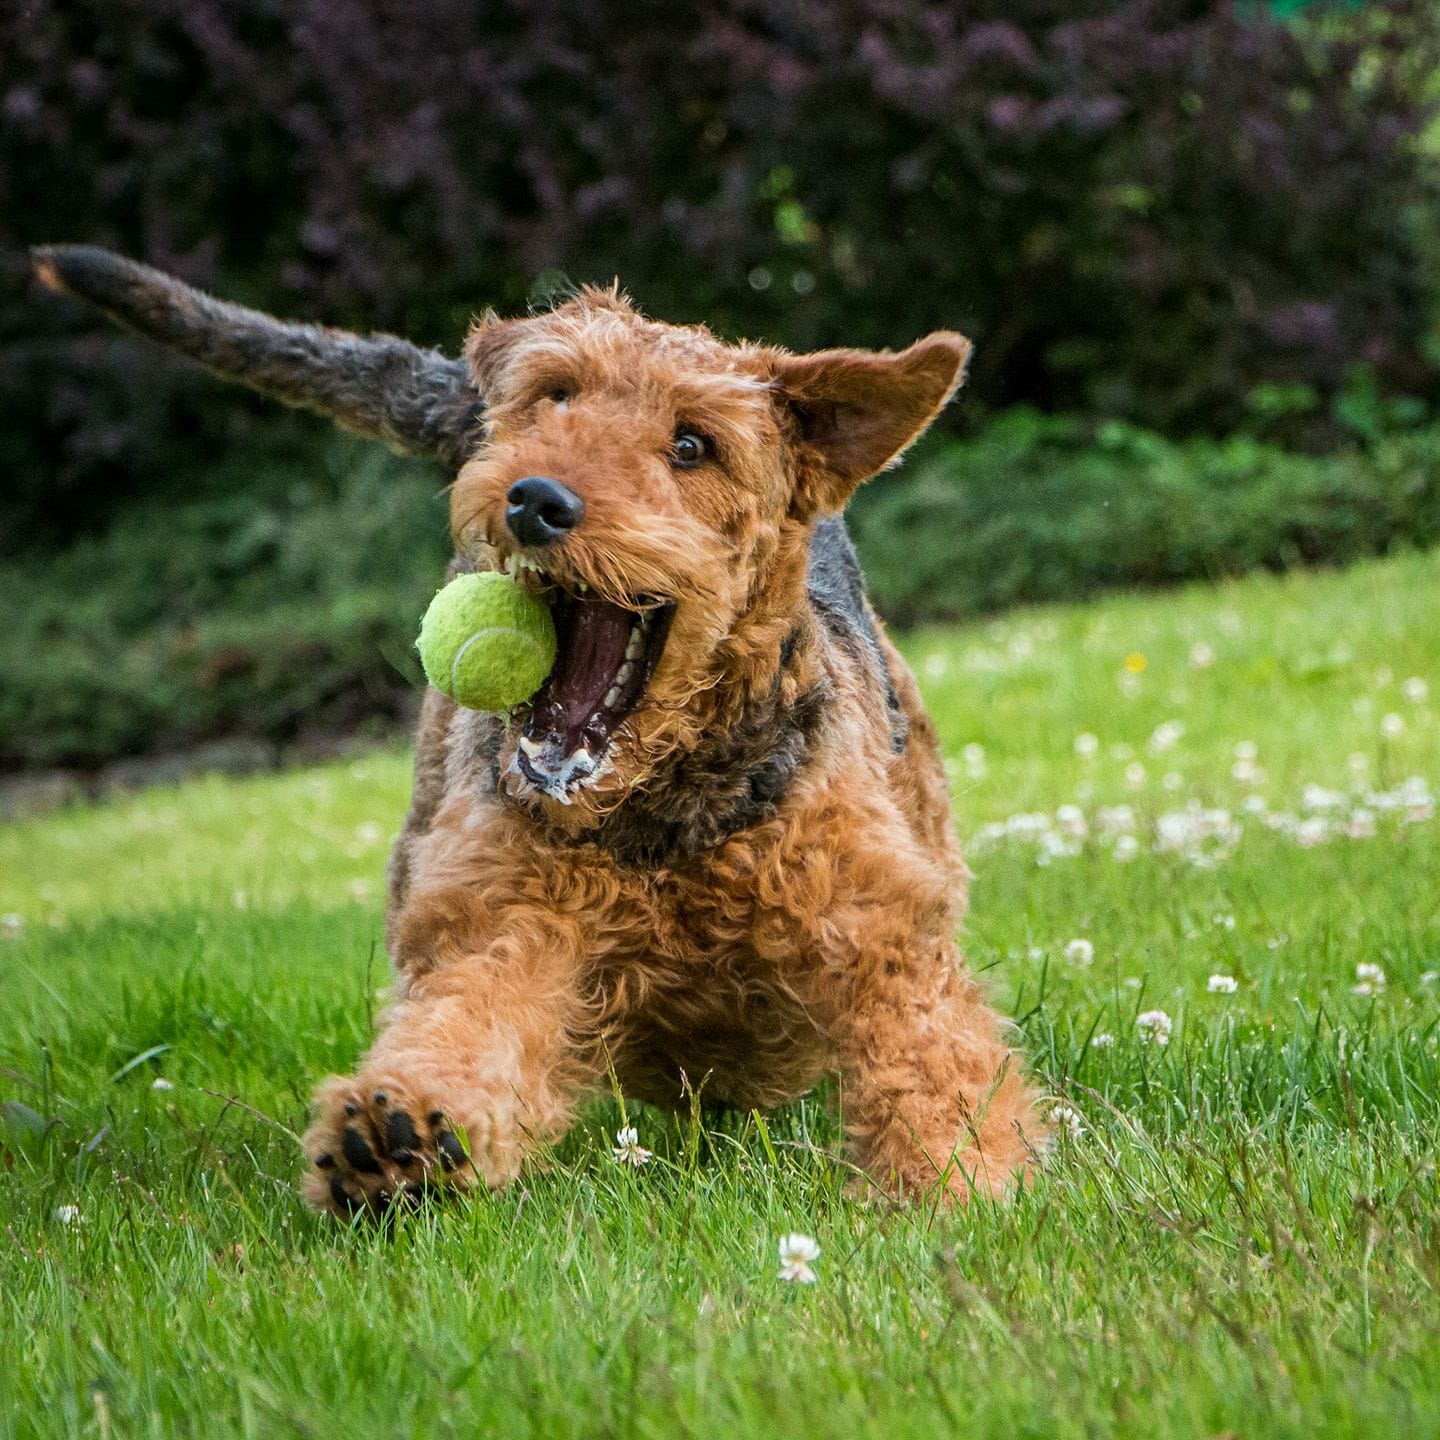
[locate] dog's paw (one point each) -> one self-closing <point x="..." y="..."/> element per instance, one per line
<point x="373" y="1145"/>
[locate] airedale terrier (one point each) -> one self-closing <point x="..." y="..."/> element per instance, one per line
<point x="716" y="850"/>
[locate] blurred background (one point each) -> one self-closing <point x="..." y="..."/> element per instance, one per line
<point x="1196" y="246"/>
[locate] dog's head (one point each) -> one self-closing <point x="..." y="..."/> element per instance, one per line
<point x="656" y="485"/>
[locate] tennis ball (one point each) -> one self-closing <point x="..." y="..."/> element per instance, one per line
<point x="486" y="643"/>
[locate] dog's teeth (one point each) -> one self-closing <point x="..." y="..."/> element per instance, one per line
<point x="623" y="675"/>
<point x="582" y="586"/>
<point x="636" y="646"/>
<point x="611" y="696"/>
<point x="511" y="561"/>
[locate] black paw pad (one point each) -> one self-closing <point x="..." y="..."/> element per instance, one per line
<point x="401" y="1134"/>
<point x="452" y="1152"/>
<point x="344" y="1201"/>
<point x="358" y="1152"/>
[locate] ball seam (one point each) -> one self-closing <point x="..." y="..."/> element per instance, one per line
<point x="534" y="644"/>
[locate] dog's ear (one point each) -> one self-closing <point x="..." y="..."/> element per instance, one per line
<point x="858" y="410"/>
<point x="489" y="344"/>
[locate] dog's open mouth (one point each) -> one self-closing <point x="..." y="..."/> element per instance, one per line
<point x="605" y="656"/>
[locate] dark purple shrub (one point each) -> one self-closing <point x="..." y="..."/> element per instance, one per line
<point x="1141" y="209"/>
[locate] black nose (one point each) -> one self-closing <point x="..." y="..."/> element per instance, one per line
<point x="539" y="510"/>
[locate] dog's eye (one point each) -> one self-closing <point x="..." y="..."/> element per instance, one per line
<point x="689" y="449"/>
<point x="560" y="395"/>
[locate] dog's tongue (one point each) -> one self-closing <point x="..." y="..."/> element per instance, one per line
<point x="591" y="637"/>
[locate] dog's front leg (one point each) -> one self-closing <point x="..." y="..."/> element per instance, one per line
<point x="932" y="1095"/>
<point x="478" y="1065"/>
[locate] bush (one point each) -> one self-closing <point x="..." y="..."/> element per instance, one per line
<point x="1143" y="209"/>
<point x="224" y="617"/>
<point x="1054" y="508"/>
<point x="227" y="617"/>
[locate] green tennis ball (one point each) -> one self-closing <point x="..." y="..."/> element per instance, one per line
<point x="486" y="643"/>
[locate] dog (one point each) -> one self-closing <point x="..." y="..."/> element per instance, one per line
<point x="715" y="853"/>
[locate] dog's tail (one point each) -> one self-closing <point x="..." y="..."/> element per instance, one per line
<point x="417" y="401"/>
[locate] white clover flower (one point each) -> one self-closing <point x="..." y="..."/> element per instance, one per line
<point x="1246" y="772"/>
<point x="1358" y="761"/>
<point x="1312" y="831"/>
<point x="1317" y="797"/>
<point x="1068" y="1119"/>
<point x="1166" y="736"/>
<point x="1415" y="690"/>
<point x="1101" y="1040"/>
<point x="1070" y="821"/>
<point x="1369" y="979"/>
<point x="1155" y="1026"/>
<point x="1127" y="847"/>
<point x="1202" y="657"/>
<point x="1173" y="780"/>
<point x="12" y="927"/>
<point x="1222" y="985"/>
<point x="1360" y="825"/>
<point x="1086" y="744"/>
<point x="1223" y="921"/>
<point x="1429" y="977"/>
<point x="161" y="1083"/>
<point x="974" y="757"/>
<point x="1392" y="726"/>
<point x="797" y="1254"/>
<point x="1247" y="750"/>
<point x="628" y="1149"/>
<point x="67" y="1214"/>
<point x="1254" y="805"/>
<point x="937" y="665"/>
<point x="1079" y="952"/>
<point x="1135" y="775"/>
<point x="1115" y="819"/>
<point x="1129" y="683"/>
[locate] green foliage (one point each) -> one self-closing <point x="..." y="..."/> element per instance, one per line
<point x="1044" y="508"/>
<point x="244" y="612"/>
<point x="1241" y="1239"/>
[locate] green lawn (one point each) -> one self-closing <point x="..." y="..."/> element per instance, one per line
<point x="1244" y="1235"/>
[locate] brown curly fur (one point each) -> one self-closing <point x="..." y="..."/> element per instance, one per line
<point x="764" y="885"/>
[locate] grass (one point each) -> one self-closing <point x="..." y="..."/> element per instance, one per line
<point x="1244" y="1237"/>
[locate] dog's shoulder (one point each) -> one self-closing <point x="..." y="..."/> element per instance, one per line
<point x="837" y="594"/>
